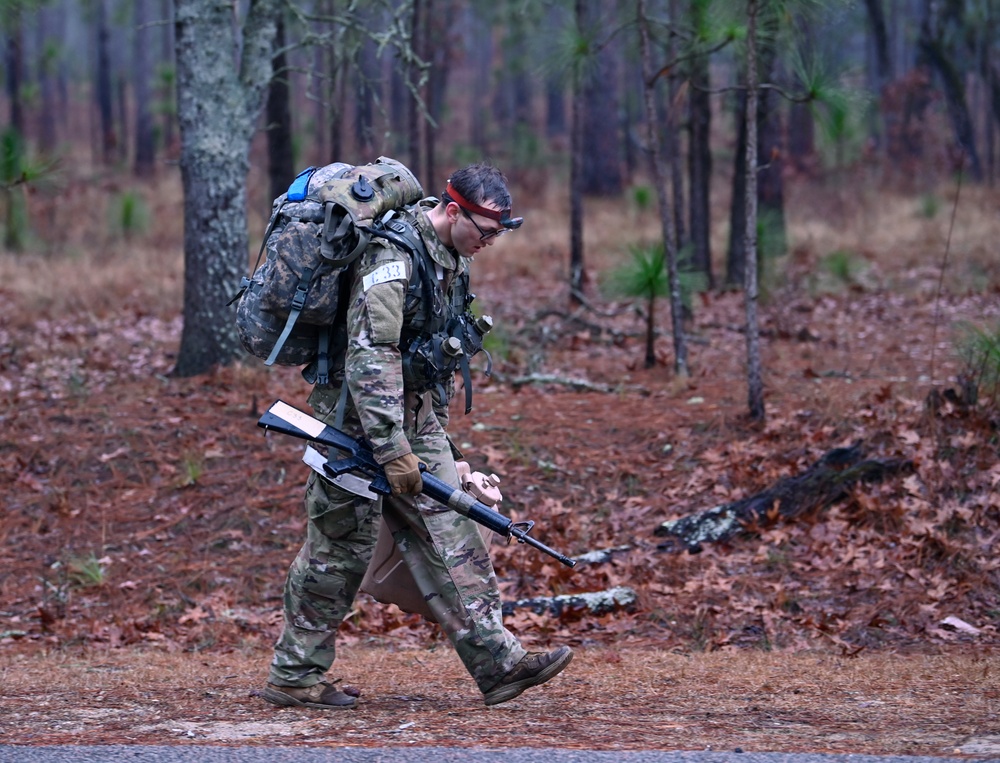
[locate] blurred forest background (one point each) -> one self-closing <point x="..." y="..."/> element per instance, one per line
<point x="906" y="90"/>
<point x="143" y="143"/>
<point x="615" y="99"/>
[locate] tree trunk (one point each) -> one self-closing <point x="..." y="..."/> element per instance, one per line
<point x="364" y="104"/>
<point x="280" y="157"/>
<point x="576" y="174"/>
<point x="441" y="57"/>
<point x="769" y="203"/>
<point x="336" y="114"/>
<point x="12" y="139"/>
<point x="522" y="80"/>
<point x="142" y="74"/>
<point x="880" y="41"/>
<point x="991" y="74"/>
<point x="700" y="157"/>
<point x="602" y="172"/>
<point x="105" y="97"/>
<point x="736" y="254"/>
<point x="935" y="51"/>
<point x="413" y="75"/>
<point x="633" y="116"/>
<point x="660" y="180"/>
<point x="650" y="359"/>
<point x="325" y="90"/>
<point x="168" y="81"/>
<point x="771" y="228"/>
<point x="801" y="138"/>
<point x="397" y="131"/>
<point x="555" y="92"/>
<point x="14" y="64"/>
<point x="48" y="43"/>
<point x="218" y="106"/>
<point x="882" y="74"/>
<point x="121" y="102"/>
<point x="755" y="385"/>
<point x="770" y="173"/>
<point x="479" y="50"/>
<point x="672" y="143"/>
<point x="49" y="40"/>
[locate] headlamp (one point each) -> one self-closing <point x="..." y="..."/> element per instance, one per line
<point x="502" y="216"/>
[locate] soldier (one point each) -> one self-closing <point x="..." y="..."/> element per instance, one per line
<point x="398" y="303"/>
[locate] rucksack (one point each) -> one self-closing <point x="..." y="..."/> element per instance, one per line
<point x="289" y="309"/>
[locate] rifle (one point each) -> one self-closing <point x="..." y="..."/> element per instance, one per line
<point x="285" y="419"/>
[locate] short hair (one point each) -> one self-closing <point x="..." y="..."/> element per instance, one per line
<point x="482" y="183"/>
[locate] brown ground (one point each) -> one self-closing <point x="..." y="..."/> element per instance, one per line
<point x="147" y="521"/>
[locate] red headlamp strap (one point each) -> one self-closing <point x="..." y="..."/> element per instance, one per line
<point x="493" y="214"/>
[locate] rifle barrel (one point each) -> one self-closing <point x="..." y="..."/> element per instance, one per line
<point x="479" y="512"/>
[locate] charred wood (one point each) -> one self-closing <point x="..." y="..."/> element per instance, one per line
<point x="824" y="483"/>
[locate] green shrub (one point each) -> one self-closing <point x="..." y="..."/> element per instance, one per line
<point x="929" y="206"/>
<point x="979" y="349"/>
<point x="129" y="214"/>
<point x="86" y="571"/>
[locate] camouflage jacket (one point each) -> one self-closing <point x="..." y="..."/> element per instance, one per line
<point x="383" y="310"/>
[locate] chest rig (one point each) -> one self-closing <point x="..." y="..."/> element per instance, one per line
<point x="440" y="332"/>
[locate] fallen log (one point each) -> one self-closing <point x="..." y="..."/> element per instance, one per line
<point x="601" y="556"/>
<point x="575" y="383"/>
<point x="576" y="605"/>
<point x="824" y="483"/>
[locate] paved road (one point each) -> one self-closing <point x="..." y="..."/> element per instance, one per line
<point x="204" y="754"/>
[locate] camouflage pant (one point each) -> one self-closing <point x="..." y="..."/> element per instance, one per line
<point x="444" y="552"/>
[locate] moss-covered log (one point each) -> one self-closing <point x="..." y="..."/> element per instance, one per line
<point x="576" y="605"/>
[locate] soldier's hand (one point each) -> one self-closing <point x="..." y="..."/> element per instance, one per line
<point x="483" y="488"/>
<point x="403" y="474"/>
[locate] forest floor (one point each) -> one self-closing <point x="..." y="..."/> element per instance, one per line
<point x="148" y="522"/>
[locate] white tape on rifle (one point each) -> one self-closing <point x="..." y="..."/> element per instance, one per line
<point x="349" y="482"/>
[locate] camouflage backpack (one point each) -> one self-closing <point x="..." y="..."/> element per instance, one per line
<point x="288" y="309"/>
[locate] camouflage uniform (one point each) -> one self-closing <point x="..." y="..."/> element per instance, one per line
<point x="443" y="550"/>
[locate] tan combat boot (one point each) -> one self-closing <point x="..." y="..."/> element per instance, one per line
<point x="323" y="695"/>
<point x="534" y="668"/>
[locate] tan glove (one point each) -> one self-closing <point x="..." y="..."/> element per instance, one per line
<point x="403" y="474"/>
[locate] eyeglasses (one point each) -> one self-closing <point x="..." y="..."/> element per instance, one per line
<point x="484" y="235"/>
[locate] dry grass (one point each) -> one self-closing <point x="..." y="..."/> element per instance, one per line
<point x="940" y="704"/>
<point x="900" y="234"/>
<point x="78" y="262"/>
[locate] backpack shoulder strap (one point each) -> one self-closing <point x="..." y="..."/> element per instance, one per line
<point x="400" y="231"/>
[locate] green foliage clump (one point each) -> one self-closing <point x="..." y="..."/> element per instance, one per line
<point x="497" y="343"/>
<point x="839" y="270"/>
<point x="642" y="197"/>
<point x="643" y="276"/>
<point x="12" y="175"/>
<point x="929" y="206"/>
<point x="86" y="571"/>
<point x="979" y="349"/>
<point x="841" y="264"/>
<point x="129" y="215"/>
<point x="192" y="469"/>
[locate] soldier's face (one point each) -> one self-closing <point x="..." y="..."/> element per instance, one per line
<point x="471" y="232"/>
